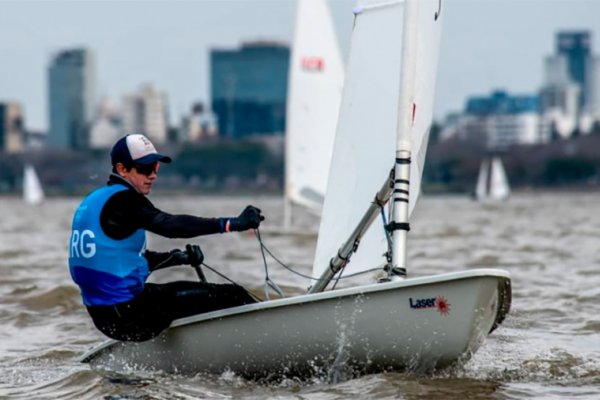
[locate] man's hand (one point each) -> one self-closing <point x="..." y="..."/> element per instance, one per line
<point x="158" y="260"/>
<point x="250" y="218"/>
<point x="194" y="254"/>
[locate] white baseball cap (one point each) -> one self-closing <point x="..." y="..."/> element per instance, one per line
<point x="136" y="149"/>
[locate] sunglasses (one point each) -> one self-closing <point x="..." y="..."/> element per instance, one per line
<point x="147" y="169"/>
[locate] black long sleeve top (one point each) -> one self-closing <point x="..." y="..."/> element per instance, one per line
<point x="128" y="210"/>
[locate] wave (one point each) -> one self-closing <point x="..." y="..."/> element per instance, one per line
<point x="79" y="385"/>
<point x="67" y="298"/>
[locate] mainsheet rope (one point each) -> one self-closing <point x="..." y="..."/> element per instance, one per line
<point x="269" y="283"/>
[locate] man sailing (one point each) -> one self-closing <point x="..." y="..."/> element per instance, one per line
<point x="109" y="261"/>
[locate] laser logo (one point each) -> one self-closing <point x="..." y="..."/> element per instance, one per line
<point x="440" y="303"/>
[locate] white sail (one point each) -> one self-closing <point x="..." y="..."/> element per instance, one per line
<point x="419" y="73"/>
<point x="366" y="138"/>
<point x="315" y="82"/>
<point x="32" y="188"/>
<point x="499" y="188"/>
<point x="492" y="183"/>
<point x="481" y="189"/>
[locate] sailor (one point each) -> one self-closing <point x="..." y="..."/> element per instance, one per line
<point x="109" y="261"/>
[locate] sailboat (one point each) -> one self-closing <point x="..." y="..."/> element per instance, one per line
<point x="492" y="183"/>
<point x="315" y="81"/>
<point x="32" y="188"/>
<point x="395" y="322"/>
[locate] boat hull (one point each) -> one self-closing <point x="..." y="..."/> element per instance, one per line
<point x="419" y="323"/>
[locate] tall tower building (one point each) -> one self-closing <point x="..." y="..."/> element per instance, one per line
<point x="569" y="97"/>
<point x="249" y="88"/>
<point x="12" y="132"/>
<point x="145" y="112"/>
<point x="71" y="94"/>
<point x="575" y="47"/>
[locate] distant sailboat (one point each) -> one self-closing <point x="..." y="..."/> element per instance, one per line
<point x="316" y="78"/>
<point x="32" y="188"/>
<point x="492" y="183"/>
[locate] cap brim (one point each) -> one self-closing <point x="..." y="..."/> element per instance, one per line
<point x="152" y="158"/>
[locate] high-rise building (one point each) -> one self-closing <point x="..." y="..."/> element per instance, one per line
<point x="71" y="96"/>
<point x="145" y="112"/>
<point x="560" y="97"/>
<point x="249" y="88"/>
<point x="12" y="132"/>
<point x="575" y="46"/>
<point x="570" y="97"/>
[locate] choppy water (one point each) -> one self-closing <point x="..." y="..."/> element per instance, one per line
<point x="548" y="347"/>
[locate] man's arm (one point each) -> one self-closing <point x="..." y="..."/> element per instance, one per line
<point x="127" y="211"/>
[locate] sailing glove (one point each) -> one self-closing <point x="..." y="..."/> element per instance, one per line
<point x="194" y="255"/>
<point x="250" y="218"/>
<point x="163" y="260"/>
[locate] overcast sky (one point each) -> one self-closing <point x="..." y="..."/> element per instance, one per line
<point x="487" y="44"/>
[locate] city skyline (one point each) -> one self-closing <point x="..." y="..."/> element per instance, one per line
<point x="487" y="44"/>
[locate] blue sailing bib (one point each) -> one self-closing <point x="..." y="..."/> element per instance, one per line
<point x="108" y="271"/>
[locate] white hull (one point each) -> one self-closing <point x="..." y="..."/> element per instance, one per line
<point x="370" y="328"/>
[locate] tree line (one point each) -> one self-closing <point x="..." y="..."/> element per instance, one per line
<point x="253" y="166"/>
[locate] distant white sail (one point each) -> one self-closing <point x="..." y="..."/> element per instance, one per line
<point x="499" y="188"/>
<point x="492" y="183"/>
<point x="481" y="189"/>
<point x="371" y="104"/>
<point x="316" y="78"/>
<point x="32" y="188"/>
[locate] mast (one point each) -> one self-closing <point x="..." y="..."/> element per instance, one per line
<point x="399" y="222"/>
<point x="289" y="154"/>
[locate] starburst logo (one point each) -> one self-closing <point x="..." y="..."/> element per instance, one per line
<point x="442" y="305"/>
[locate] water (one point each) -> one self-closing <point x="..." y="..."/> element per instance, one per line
<point x="548" y="347"/>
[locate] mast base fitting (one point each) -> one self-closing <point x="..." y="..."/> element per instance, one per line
<point x="396" y="274"/>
